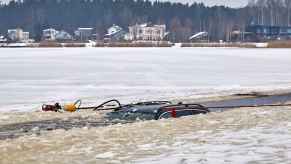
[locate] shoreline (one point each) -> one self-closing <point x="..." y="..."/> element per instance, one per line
<point x="159" y="44"/>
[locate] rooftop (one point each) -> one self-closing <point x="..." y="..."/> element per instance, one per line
<point x="85" y="28"/>
<point x="49" y="29"/>
<point x="149" y="25"/>
<point x="199" y="34"/>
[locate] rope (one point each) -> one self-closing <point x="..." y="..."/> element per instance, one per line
<point x="102" y="105"/>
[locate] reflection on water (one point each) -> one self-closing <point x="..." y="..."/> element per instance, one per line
<point x="259" y="135"/>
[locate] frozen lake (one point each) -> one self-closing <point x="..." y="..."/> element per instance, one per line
<point x="30" y="77"/>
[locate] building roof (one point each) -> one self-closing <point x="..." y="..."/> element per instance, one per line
<point x="15" y="29"/>
<point x="144" y="25"/>
<point x="49" y="29"/>
<point x="12" y="30"/>
<point x="2" y="38"/>
<point x="198" y="35"/>
<point x="113" y="30"/>
<point x="150" y="25"/>
<point x="85" y="28"/>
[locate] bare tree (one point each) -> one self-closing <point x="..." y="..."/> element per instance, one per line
<point x="288" y="6"/>
<point x="262" y="4"/>
<point x="271" y="9"/>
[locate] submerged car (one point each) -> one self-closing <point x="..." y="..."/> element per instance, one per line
<point x="153" y="110"/>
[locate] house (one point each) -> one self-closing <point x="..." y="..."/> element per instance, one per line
<point x="18" y="35"/>
<point x="49" y="34"/>
<point x="84" y="34"/>
<point x="147" y="32"/>
<point x="2" y="39"/>
<point x="114" y="33"/>
<point x="52" y="35"/>
<point x="262" y="32"/>
<point x="25" y="37"/>
<point x="63" y="36"/>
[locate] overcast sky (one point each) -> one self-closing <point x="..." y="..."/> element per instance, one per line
<point x="232" y="3"/>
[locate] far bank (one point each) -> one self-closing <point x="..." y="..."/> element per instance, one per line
<point x="272" y="44"/>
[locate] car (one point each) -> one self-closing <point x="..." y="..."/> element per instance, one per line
<point x="151" y="110"/>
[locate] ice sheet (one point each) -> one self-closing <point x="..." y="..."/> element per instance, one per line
<point x="32" y="76"/>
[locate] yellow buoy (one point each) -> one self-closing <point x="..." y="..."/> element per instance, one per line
<point x="70" y="108"/>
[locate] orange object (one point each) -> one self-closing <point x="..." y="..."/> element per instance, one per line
<point x="70" y="108"/>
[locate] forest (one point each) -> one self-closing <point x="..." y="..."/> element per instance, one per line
<point x="182" y="20"/>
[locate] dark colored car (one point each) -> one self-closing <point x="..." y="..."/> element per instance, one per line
<point x="153" y="110"/>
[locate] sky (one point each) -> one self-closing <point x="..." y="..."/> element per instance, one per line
<point x="230" y="3"/>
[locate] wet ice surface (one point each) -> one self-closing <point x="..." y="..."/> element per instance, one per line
<point x="17" y="124"/>
<point x="260" y="135"/>
<point x="30" y="77"/>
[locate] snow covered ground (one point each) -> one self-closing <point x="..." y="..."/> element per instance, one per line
<point x="30" y="77"/>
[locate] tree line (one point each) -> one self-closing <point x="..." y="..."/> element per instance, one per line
<point x="271" y="12"/>
<point x="182" y="20"/>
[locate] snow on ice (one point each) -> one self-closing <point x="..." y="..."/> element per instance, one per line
<point x="30" y="77"/>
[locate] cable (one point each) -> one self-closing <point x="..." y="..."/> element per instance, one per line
<point x="102" y="105"/>
<point x="78" y="104"/>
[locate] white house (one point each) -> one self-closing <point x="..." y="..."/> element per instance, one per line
<point x="114" y="33"/>
<point x="49" y="34"/>
<point x="84" y="34"/>
<point x="18" y="35"/>
<point x="147" y="32"/>
<point x="25" y="36"/>
<point x="52" y="34"/>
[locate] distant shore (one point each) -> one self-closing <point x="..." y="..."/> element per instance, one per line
<point x="272" y="44"/>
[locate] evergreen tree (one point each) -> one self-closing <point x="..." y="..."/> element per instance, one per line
<point x="182" y="20"/>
